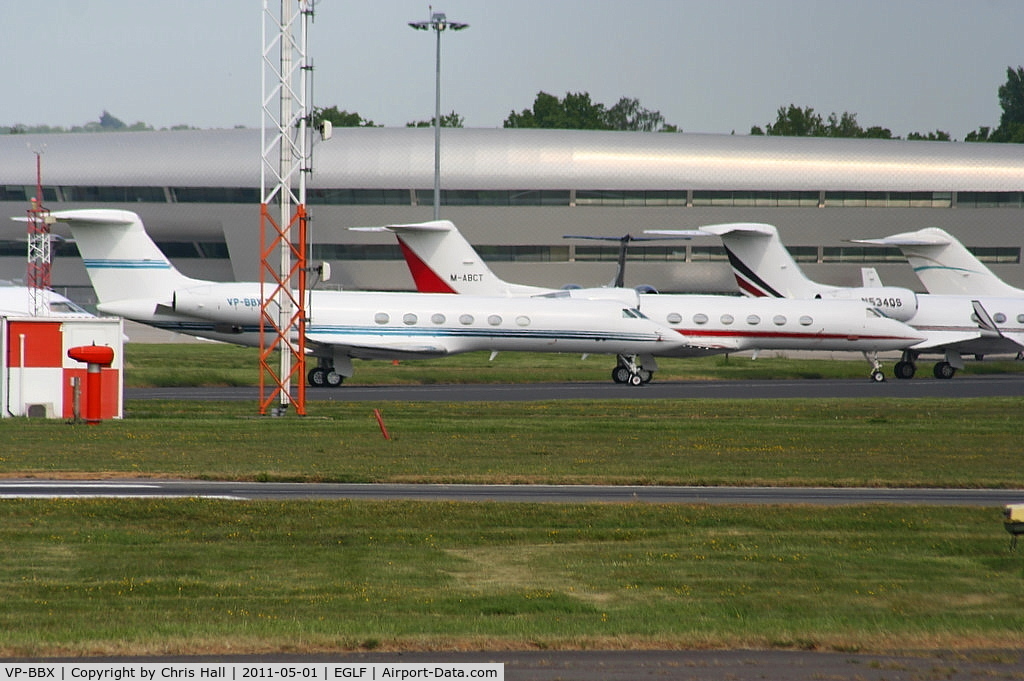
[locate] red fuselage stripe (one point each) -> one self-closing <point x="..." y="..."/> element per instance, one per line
<point x="726" y="333"/>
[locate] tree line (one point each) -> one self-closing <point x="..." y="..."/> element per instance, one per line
<point x="577" y="111"/>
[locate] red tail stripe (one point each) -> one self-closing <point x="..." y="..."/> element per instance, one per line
<point x="426" y="279"/>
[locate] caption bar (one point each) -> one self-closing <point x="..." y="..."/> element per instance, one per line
<point x="236" y="671"/>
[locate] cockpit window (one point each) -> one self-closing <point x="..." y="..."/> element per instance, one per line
<point x="66" y="306"/>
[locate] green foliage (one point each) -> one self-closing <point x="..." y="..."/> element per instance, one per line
<point x="1011" y="100"/>
<point x="450" y="120"/>
<point x="937" y="136"/>
<point x="793" y="121"/>
<point x="340" y="119"/>
<point x="577" y="112"/>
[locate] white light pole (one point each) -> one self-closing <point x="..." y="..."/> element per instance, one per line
<point x="439" y="22"/>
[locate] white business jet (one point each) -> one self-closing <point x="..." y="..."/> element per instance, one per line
<point x="133" y="279"/>
<point x="442" y="261"/>
<point x="15" y="301"/>
<point x="952" y="326"/>
<point x="945" y="266"/>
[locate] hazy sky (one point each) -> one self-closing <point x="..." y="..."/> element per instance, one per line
<point x="706" y="65"/>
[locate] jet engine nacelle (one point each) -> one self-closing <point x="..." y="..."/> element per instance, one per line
<point x="894" y="302"/>
<point x="226" y="303"/>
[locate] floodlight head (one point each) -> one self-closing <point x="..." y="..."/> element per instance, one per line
<point x="439" y="22"/>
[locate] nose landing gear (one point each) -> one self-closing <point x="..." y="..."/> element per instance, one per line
<point x="629" y="371"/>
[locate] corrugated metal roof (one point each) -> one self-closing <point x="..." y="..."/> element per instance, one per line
<point x="477" y="158"/>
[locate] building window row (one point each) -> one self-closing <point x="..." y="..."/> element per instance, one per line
<point x="1003" y="255"/>
<point x="172" y="249"/>
<point x="526" y="197"/>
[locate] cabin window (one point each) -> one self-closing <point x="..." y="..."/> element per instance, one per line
<point x="779" y="320"/>
<point x="523" y="320"/>
<point x="700" y="318"/>
<point x="466" y="319"/>
<point x="674" y="318"/>
<point x="999" y="318"/>
<point x="806" y="321"/>
<point x="1020" y="319"/>
<point x="727" y="319"/>
<point x="382" y="318"/>
<point x="437" y="318"/>
<point x="494" y="320"/>
<point x="409" y="319"/>
<point x="753" y="320"/>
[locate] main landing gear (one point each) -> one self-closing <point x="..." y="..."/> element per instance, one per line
<point x="907" y="366"/>
<point x="324" y="375"/>
<point x="628" y="371"/>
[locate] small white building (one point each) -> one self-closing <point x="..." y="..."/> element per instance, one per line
<point x="39" y="379"/>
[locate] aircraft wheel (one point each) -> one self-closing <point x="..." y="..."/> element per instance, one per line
<point x="635" y="379"/>
<point x="620" y="374"/>
<point x="877" y="376"/>
<point x="317" y="377"/>
<point x="904" y="370"/>
<point x="944" y="370"/>
<point x="646" y="376"/>
<point x="334" y="379"/>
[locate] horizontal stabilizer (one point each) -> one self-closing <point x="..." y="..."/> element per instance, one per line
<point x="906" y="239"/>
<point x="752" y="228"/>
<point x="678" y="233"/>
<point x="91" y="216"/>
<point x="432" y="226"/>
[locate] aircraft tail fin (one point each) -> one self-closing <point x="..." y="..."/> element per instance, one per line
<point x="122" y="261"/>
<point x="441" y="260"/>
<point x="944" y="265"/>
<point x="760" y="262"/>
<point x="869" y="277"/>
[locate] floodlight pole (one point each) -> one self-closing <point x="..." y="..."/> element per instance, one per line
<point x="439" y="23"/>
<point x="283" y="296"/>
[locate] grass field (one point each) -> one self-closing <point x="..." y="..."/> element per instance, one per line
<point x="855" y="442"/>
<point x="188" y="576"/>
<point x="171" y="365"/>
<point x="144" y="577"/>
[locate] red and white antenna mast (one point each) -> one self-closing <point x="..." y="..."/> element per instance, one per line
<point x="39" y="257"/>
<point x="284" y="167"/>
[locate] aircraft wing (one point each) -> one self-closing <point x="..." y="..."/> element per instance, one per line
<point x="947" y="340"/>
<point x="1016" y="337"/>
<point x="988" y="338"/>
<point x="376" y="346"/>
<point x="971" y="342"/>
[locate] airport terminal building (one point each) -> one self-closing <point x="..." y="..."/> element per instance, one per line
<point x="515" y="194"/>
